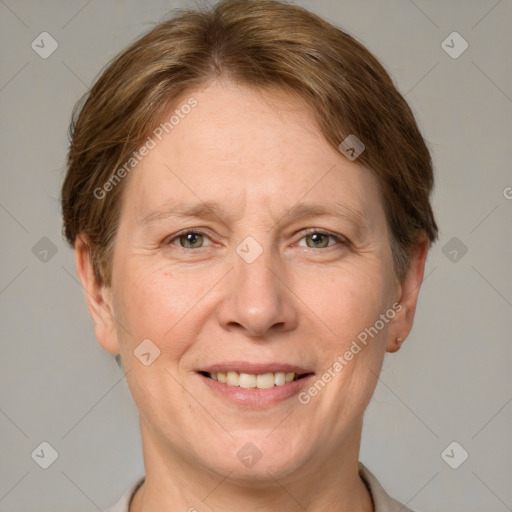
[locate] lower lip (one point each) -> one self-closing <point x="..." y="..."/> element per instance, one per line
<point x="255" y="397"/>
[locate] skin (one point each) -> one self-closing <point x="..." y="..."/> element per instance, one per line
<point x="302" y="301"/>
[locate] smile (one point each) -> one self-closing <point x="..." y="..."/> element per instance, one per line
<point x="259" y="386"/>
<point x="251" y="380"/>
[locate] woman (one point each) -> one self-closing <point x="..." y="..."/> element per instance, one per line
<point x="248" y="197"/>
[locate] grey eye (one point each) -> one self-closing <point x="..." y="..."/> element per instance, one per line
<point x="191" y="240"/>
<point x="318" y="240"/>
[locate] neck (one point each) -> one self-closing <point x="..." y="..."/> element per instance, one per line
<point x="173" y="482"/>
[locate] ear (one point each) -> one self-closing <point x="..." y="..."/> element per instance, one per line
<point x="97" y="296"/>
<point x="409" y="290"/>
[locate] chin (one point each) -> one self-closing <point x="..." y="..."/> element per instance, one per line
<point x="253" y="460"/>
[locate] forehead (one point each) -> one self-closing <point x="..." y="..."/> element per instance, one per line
<point x="243" y="146"/>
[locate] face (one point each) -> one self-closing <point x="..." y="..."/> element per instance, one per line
<point x="248" y="244"/>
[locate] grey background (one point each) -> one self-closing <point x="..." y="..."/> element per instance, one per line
<point x="451" y="380"/>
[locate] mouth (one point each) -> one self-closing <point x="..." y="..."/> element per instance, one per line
<point x="255" y="385"/>
<point x="265" y="380"/>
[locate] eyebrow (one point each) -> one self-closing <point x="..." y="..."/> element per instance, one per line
<point x="338" y="210"/>
<point x="212" y="210"/>
<point x="203" y="210"/>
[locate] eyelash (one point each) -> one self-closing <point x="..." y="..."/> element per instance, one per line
<point x="341" y="240"/>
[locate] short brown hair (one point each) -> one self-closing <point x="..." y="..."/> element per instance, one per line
<point x="259" y="43"/>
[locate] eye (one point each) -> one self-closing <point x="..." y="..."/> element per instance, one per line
<point x="320" y="239"/>
<point x="191" y="239"/>
<point x="315" y="239"/>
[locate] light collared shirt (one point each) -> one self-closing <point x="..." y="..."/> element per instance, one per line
<point x="382" y="501"/>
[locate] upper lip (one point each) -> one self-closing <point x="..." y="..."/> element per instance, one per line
<point x="255" y="368"/>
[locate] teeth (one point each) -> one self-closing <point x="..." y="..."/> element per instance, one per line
<point x="280" y="378"/>
<point x="265" y="381"/>
<point x="233" y="379"/>
<point x="248" y="380"/>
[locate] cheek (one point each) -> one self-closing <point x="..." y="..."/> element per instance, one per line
<point x="347" y="300"/>
<point x="356" y="311"/>
<point x="160" y="304"/>
<point x="352" y="353"/>
<point x="350" y="304"/>
<point x="152" y="305"/>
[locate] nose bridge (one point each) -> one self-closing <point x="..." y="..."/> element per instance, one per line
<point x="259" y="299"/>
<point x="257" y="268"/>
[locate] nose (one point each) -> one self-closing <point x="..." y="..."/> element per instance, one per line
<point x="259" y="300"/>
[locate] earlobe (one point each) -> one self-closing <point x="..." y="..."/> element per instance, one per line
<point x="410" y="288"/>
<point x="394" y="345"/>
<point x="97" y="296"/>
